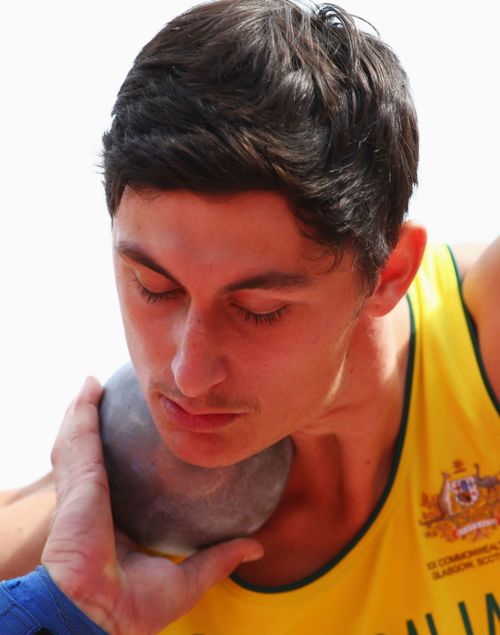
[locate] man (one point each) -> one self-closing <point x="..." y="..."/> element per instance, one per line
<point x="258" y="170"/>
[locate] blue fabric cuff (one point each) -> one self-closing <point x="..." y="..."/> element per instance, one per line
<point x="34" y="602"/>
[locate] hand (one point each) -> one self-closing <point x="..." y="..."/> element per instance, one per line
<point x="102" y="570"/>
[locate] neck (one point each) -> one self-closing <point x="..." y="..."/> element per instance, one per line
<point x="342" y="462"/>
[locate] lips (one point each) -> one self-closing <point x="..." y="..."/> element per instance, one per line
<point x="197" y="422"/>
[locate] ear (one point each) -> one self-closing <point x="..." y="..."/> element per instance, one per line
<point x="399" y="271"/>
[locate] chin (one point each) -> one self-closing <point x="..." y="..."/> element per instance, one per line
<point x="202" y="450"/>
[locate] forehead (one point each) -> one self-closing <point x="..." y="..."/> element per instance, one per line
<point x="249" y="229"/>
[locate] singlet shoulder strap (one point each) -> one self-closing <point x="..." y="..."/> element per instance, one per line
<point x="446" y="343"/>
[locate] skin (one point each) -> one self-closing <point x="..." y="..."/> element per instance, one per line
<point x="24" y="521"/>
<point x="102" y="571"/>
<point x="196" y="345"/>
<point x="342" y="357"/>
<point x="340" y="354"/>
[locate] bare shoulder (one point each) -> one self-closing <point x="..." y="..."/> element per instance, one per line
<point x="480" y="270"/>
<point x="467" y="255"/>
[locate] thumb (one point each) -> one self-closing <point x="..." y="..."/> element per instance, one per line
<point x="212" y="565"/>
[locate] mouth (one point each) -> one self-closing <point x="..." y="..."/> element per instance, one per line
<point x="204" y="422"/>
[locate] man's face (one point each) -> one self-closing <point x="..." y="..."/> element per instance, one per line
<point x="233" y="316"/>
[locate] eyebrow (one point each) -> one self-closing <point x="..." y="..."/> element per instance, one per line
<point x="271" y="280"/>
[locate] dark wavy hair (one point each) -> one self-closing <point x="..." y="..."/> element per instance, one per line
<point x="239" y="95"/>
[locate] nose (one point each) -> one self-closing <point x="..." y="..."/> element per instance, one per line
<point x="197" y="365"/>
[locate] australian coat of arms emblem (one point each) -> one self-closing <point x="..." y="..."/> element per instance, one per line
<point x="467" y="506"/>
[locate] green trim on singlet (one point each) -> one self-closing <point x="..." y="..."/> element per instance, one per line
<point x="473" y="336"/>
<point x="387" y="489"/>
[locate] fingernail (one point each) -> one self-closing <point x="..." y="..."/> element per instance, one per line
<point x="255" y="555"/>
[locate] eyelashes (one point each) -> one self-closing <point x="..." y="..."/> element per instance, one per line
<point x="258" y="319"/>
<point x="153" y="297"/>
<point x="262" y="318"/>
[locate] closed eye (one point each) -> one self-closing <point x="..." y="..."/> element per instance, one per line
<point x="262" y="318"/>
<point x="155" y="296"/>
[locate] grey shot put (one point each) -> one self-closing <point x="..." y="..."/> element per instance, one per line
<point x="167" y="504"/>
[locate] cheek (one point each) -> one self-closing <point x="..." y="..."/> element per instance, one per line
<point x="301" y="362"/>
<point x="146" y="335"/>
<point x="301" y="367"/>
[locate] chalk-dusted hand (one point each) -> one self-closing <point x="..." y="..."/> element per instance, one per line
<point x="102" y="571"/>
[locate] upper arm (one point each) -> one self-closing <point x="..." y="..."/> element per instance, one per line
<point x="481" y="292"/>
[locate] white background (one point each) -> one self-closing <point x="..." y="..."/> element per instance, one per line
<point x="61" y="64"/>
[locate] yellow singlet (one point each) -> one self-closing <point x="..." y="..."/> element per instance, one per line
<point x="427" y="561"/>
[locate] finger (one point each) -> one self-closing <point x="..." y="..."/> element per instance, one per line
<point x="81" y="421"/>
<point x="212" y="565"/>
<point x="78" y="457"/>
<point x="89" y="396"/>
<point x="83" y="513"/>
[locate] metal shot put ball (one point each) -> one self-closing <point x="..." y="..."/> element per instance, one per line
<point x="169" y="505"/>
